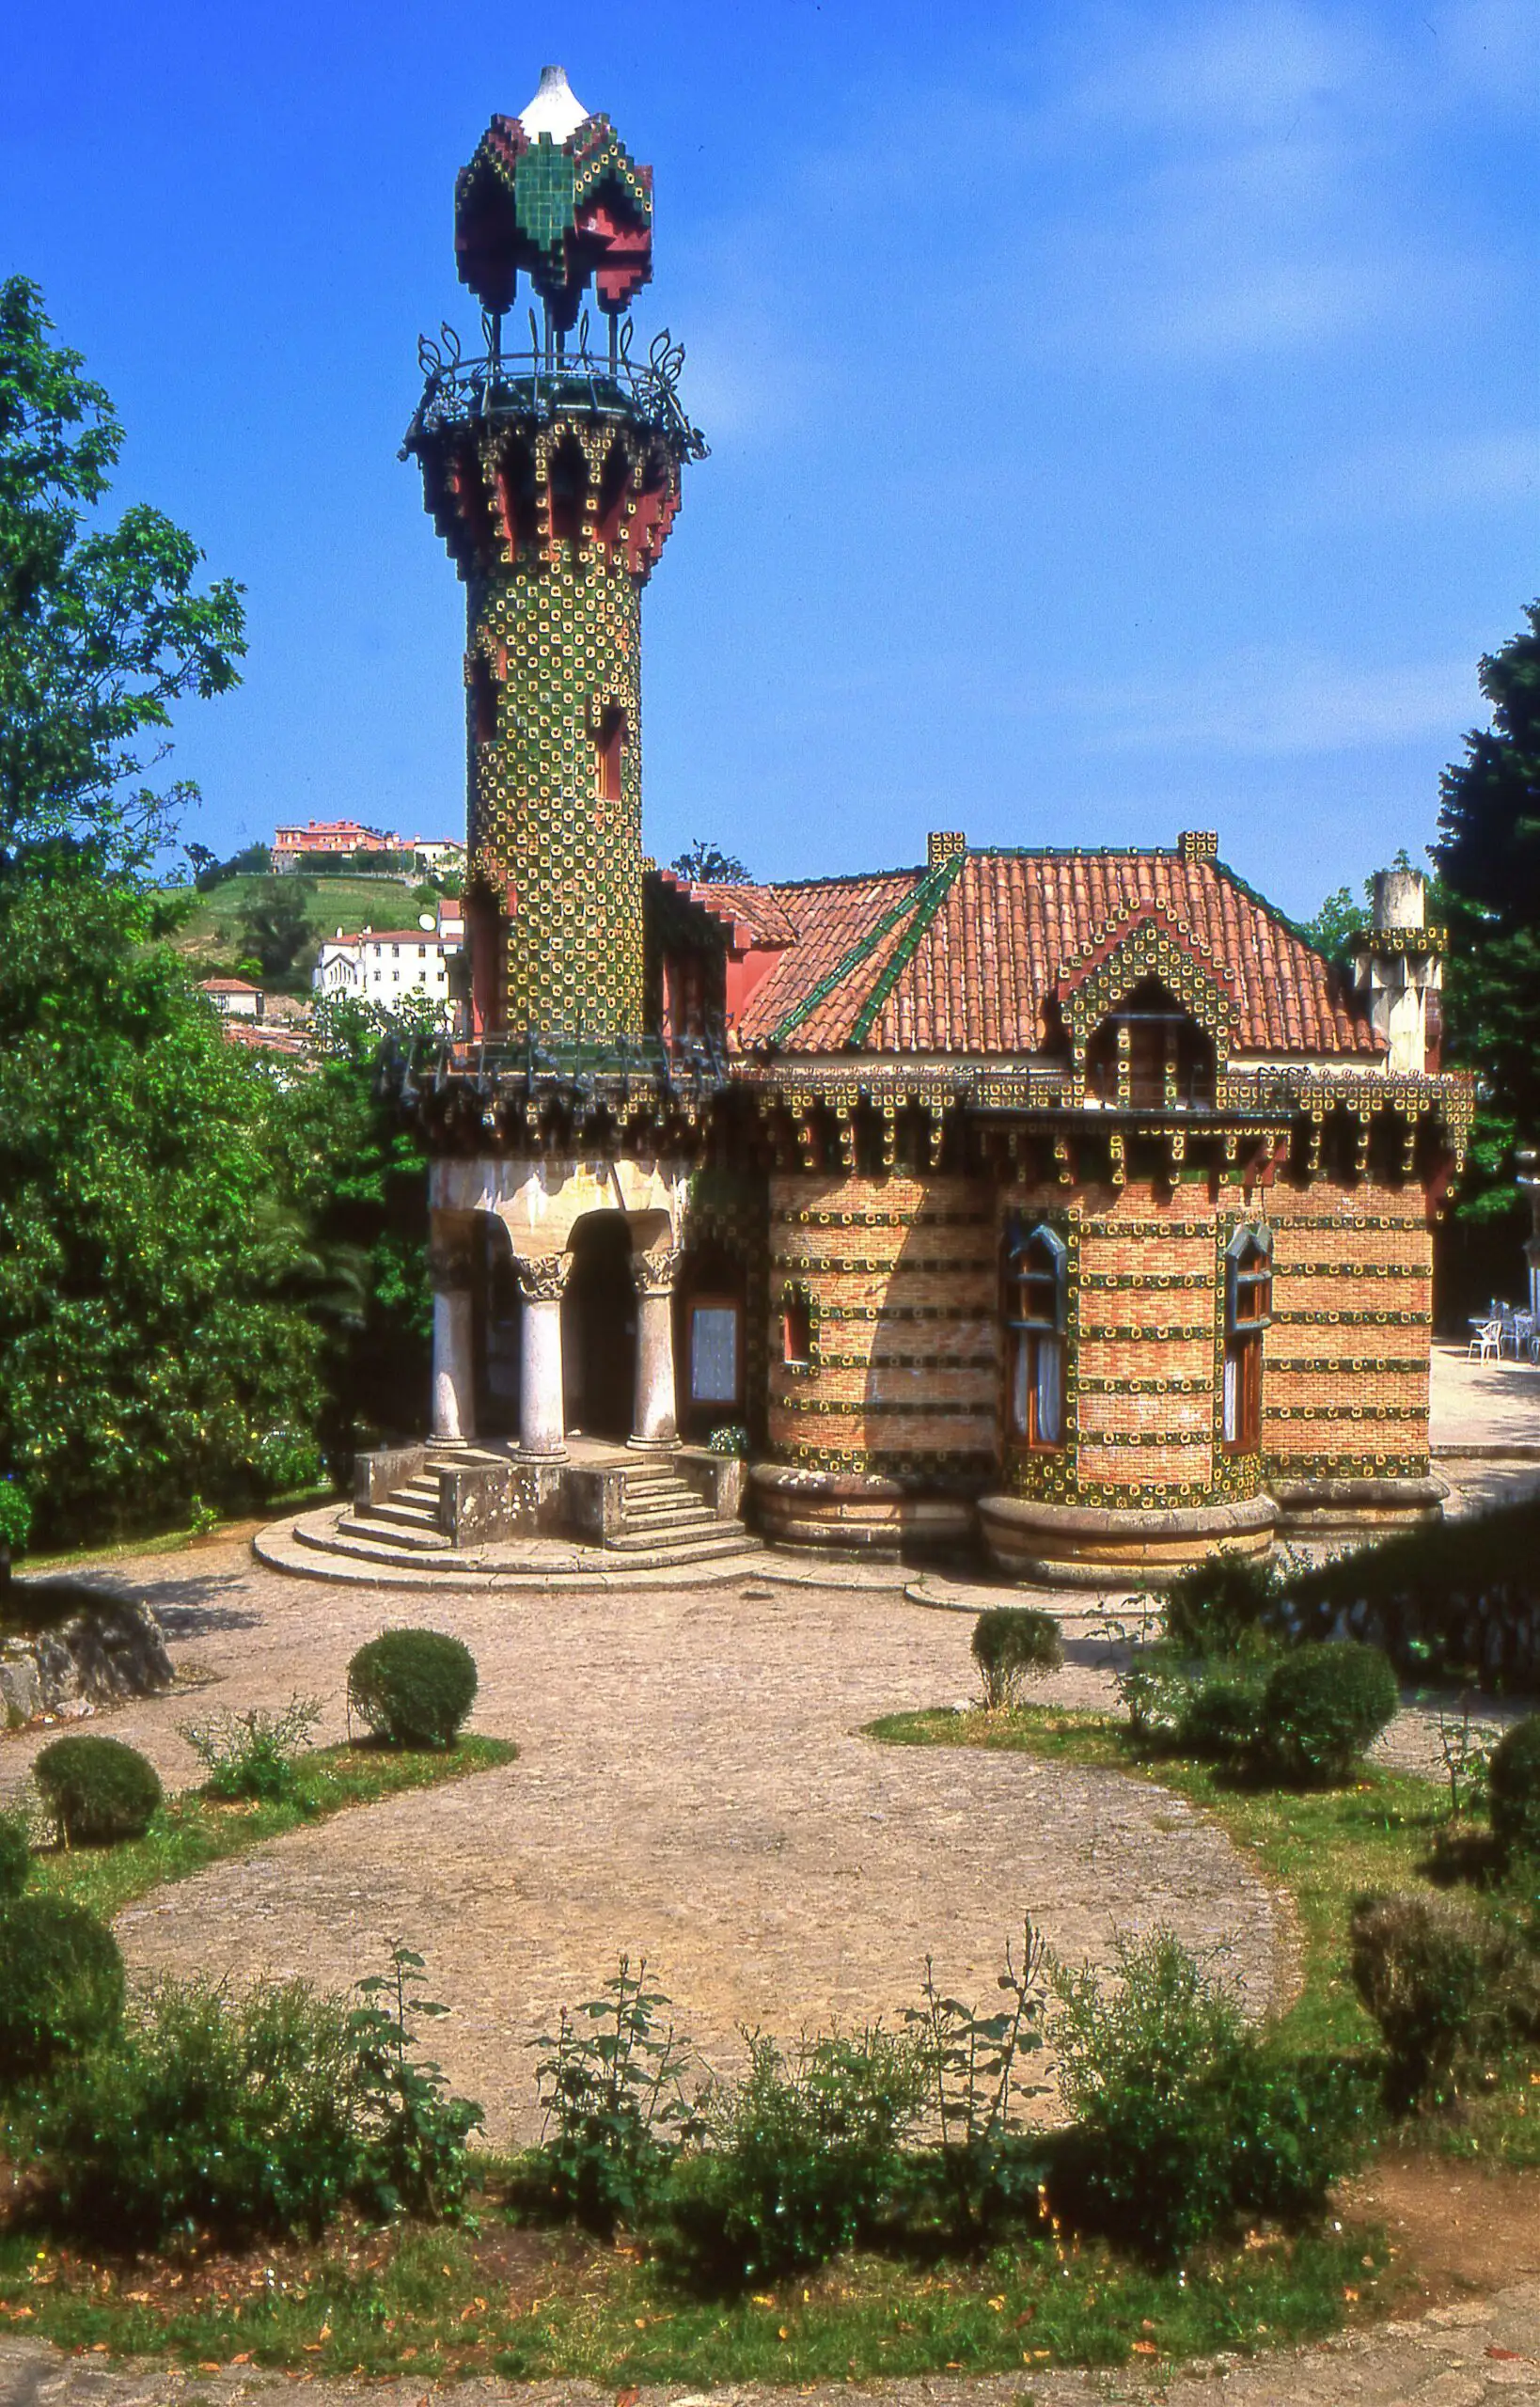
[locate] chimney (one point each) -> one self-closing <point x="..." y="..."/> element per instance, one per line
<point x="1198" y="843"/>
<point x="944" y="845"/>
<point x="1398" y="965"/>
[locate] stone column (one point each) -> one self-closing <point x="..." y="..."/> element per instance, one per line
<point x="654" y="1424"/>
<point x="542" y="1419"/>
<point x="454" y="1375"/>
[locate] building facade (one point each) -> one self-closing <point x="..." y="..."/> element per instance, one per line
<point x="1062" y="1200"/>
<point x="391" y="966"/>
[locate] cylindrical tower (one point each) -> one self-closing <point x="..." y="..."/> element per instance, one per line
<point x="553" y="476"/>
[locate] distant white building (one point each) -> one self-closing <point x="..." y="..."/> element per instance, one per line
<point x="439" y="853"/>
<point x="234" y="998"/>
<point x="393" y="966"/>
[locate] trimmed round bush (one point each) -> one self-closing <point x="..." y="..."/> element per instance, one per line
<point x="63" y="1985"/>
<point x="1012" y="1643"/>
<point x="1513" y="1784"/>
<point x="413" y="1686"/>
<point x="97" y="1789"/>
<point x="1220" y="1720"/>
<point x="1322" y="1706"/>
<point x="15" y="1854"/>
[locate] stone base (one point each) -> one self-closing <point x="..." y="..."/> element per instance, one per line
<point x="1083" y="1546"/>
<point x="852" y="1510"/>
<point x="1332" y="1507"/>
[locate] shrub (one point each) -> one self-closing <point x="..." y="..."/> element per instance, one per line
<point x="969" y="2062"/>
<point x="416" y="2134"/>
<point x="1221" y="1718"/>
<point x="1222" y="1606"/>
<point x="1512" y="1787"/>
<point x="97" y="1791"/>
<point x="609" y="2083"/>
<point x="1444" y="1982"/>
<point x="228" y="2114"/>
<point x="15" y="1522"/>
<point x="804" y="2155"/>
<point x="63" y="1983"/>
<point x="286" y="1461"/>
<point x="1322" y="1705"/>
<point x="15" y="1854"/>
<point x="413" y="1686"/>
<point x="254" y="1753"/>
<point x="1012" y="1643"/>
<point x="1186" y="2121"/>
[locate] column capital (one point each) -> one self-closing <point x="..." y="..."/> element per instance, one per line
<point x="656" y="1273"/>
<point x="542" y="1277"/>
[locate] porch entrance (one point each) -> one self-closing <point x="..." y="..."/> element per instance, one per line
<point x="598" y="1330"/>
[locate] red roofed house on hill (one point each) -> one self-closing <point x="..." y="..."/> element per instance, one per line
<point x="1064" y="1201"/>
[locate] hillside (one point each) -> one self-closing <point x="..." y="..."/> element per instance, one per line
<point x="214" y="934"/>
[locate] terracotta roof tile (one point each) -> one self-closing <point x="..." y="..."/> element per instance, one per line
<point x="967" y="957"/>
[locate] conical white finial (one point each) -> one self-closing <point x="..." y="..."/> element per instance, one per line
<point x="555" y="108"/>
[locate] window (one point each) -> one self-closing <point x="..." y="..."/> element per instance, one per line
<point x="797" y="1328"/>
<point x="715" y="1350"/>
<point x="1036" y="1315"/>
<point x="1248" y="1310"/>
<point x="483" y="700"/>
<point x="1150" y="1055"/>
<point x="608" y="746"/>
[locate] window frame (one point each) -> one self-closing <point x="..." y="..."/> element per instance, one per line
<point x="713" y="1302"/>
<point x="798" y="1299"/>
<point x="1247" y="1316"/>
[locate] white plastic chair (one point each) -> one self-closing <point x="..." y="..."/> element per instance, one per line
<point x="1486" y="1342"/>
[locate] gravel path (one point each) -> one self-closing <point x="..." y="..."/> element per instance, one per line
<point x="692" y="1788"/>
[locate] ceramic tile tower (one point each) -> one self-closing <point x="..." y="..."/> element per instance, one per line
<point x="553" y="475"/>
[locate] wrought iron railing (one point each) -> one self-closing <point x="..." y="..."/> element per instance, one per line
<point x="549" y="378"/>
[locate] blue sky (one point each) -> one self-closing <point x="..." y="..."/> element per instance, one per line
<point x="1123" y="418"/>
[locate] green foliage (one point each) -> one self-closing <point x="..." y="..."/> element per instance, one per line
<point x="15" y="1516"/>
<point x="149" y="1336"/>
<point x="413" y="1686"/>
<point x="417" y="2133"/>
<point x="1221" y="1719"/>
<point x="1457" y="1597"/>
<point x="1323" y="1705"/>
<point x="254" y="1753"/>
<point x="706" y="864"/>
<point x="1012" y="1643"/>
<point x="275" y="928"/>
<point x="1445" y="1982"/>
<point x="1338" y="921"/>
<point x="63" y="1985"/>
<point x="729" y="1438"/>
<point x="230" y="2114"/>
<point x="1224" y="1606"/>
<point x="15" y="1854"/>
<point x="969" y="2062"/>
<point x="1187" y="2123"/>
<point x="97" y="1791"/>
<point x="805" y="2152"/>
<point x="1512" y="1782"/>
<point x="1488" y="856"/>
<point x="615" y="2115"/>
<point x="102" y="631"/>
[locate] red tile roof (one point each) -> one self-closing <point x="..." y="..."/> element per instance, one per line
<point x="966" y="957"/>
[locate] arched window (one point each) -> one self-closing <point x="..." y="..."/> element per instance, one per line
<point x="1036" y="1318"/>
<point x="608" y="746"/>
<point x="797" y="1330"/>
<point x="1150" y="1054"/>
<point x="1248" y="1310"/>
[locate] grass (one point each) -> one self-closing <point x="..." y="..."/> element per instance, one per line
<point x="173" y="1541"/>
<point x="195" y="1828"/>
<point x="212" y="931"/>
<point x="532" y="2306"/>
<point x="1323" y="1846"/>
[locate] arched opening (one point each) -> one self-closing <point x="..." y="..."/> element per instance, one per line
<point x="614" y="479"/>
<point x="1150" y="1054"/>
<point x="1036" y="1301"/>
<point x="1248" y="1311"/>
<point x="568" y="471"/>
<point x="599" y="1330"/>
<point x="609" y="752"/>
<point x="497" y="1310"/>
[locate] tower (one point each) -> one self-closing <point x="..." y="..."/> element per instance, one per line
<point x="553" y="476"/>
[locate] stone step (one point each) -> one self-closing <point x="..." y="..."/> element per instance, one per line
<point x="681" y="1553"/>
<point x="412" y="1512"/>
<point x="425" y="1486"/>
<point x="406" y="1537"/>
<point x="713" y="1537"/>
<point x="662" y="1527"/>
<point x="354" y="1543"/>
<point x="639" y="1496"/>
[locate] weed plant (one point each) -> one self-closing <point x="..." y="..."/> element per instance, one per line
<point x="611" y="2088"/>
<point x="253" y="1754"/>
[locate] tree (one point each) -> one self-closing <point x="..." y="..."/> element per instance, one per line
<point x="708" y="865"/>
<point x="153" y="1346"/>
<point x="1489" y="853"/>
<point x="274" y="926"/>
<point x="101" y="630"/>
